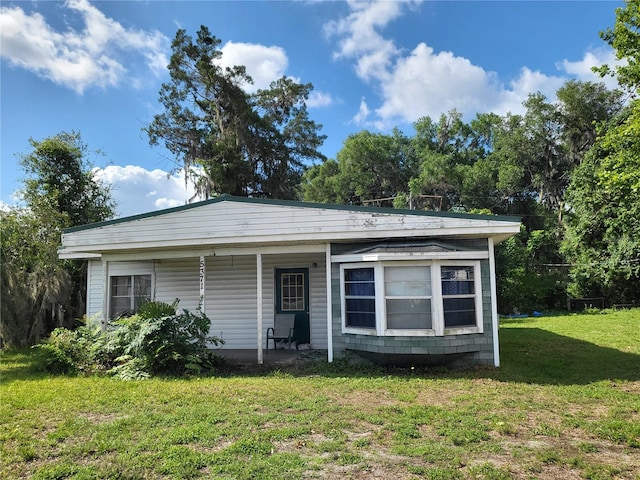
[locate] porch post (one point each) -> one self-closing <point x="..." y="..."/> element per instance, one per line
<point x="494" y="303"/>
<point x="259" y="306"/>
<point x="327" y="256"/>
<point x="203" y="282"/>
<point x="105" y="293"/>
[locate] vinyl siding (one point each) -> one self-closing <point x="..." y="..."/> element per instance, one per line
<point x="94" y="288"/>
<point x="178" y="279"/>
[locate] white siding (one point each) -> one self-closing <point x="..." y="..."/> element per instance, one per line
<point x="318" y="294"/>
<point x="231" y="300"/>
<point x="94" y="288"/>
<point x="178" y="279"/>
<point x="231" y="293"/>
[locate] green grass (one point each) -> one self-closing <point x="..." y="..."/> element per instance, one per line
<point x="564" y="404"/>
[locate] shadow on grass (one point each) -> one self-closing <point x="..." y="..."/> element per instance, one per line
<point x="22" y="364"/>
<point x="528" y="355"/>
<point x="534" y="355"/>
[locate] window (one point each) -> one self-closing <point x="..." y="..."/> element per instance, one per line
<point x="458" y="297"/>
<point x="292" y="292"/>
<point x="408" y="297"/>
<point x="437" y="297"/>
<point x="360" y="298"/>
<point x="128" y="292"/>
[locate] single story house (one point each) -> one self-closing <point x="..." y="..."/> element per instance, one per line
<point x="386" y="283"/>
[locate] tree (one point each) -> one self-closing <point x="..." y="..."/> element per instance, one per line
<point x="225" y="139"/>
<point x="603" y="233"/>
<point x="40" y="292"/>
<point x="34" y="283"/>
<point x="624" y="38"/>
<point x="60" y="178"/>
<point x="369" y="167"/>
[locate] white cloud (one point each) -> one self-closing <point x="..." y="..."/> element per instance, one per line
<point x="137" y="190"/>
<point x="263" y="64"/>
<point x="361" y="40"/>
<point x="78" y="59"/>
<point x="319" y="99"/>
<point x="362" y="116"/>
<point x="424" y="82"/>
<point x="582" y="69"/>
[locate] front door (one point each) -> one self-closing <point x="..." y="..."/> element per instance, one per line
<point x="292" y="296"/>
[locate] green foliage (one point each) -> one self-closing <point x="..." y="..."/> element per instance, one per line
<point x="156" y="340"/>
<point x="60" y="178"/>
<point x="369" y="167"/>
<point x="603" y="234"/>
<point x="531" y="276"/>
<point x="35" y="286"/>
<point x="163" y="340"/>
<point x="228" y="140"/>
<point x="40" y="292"/>
<point x="79" y="351"/>
<point x="624" y="38"/>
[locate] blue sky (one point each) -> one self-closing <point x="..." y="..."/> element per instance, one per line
<point x="96" y="68"/>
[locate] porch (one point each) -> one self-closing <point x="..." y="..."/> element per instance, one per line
<point x="282" y="357"/>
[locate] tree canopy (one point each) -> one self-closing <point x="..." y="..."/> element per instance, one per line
<point x="226" y="139"/>
<point x="40" y="292"/>
<point x="603" y="231"/>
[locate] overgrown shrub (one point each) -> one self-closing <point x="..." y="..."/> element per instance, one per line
<point x="156" y="340"/>
<point x="163" y="340"/>
<point x="75" y="351"/>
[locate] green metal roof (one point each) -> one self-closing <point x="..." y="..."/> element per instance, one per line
<point x="298" y="204"/>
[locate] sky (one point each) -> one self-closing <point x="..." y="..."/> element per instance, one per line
<point x="97" y="67"/>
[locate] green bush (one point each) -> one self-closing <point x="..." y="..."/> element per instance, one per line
<point x="156" y="340"/>
<point x="75" y="351"/>
<point x="163" y="340"/>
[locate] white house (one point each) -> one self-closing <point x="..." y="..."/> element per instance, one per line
<point x="388" y="284"/>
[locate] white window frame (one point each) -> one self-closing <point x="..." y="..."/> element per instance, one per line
<point x="132" y="276"/>
<point x="437" y="305"/>
<point x="477" y="287"/>
<point x="343" y="298"/>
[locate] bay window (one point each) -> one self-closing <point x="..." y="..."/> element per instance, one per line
<point x="438" y="297"/>
<point x="408" y="297"/>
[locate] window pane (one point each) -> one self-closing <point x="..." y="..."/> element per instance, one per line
<point x="128" y="293"/>
<point x="359" y="282"/>
<point x="292" y="291"/>
<point x="361" y="312"/>
<point x="121" y="286"/>
<point x="142" y="285"/>
<point x="359" y="275"/>
<point x="457" y="280"/>
<point x="459" y="312"/>
<point x="407" y="281"/>
<point x="409" y="314"/>
<point x="360" y="289"/>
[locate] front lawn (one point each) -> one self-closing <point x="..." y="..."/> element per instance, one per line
<point x="564" y="404"/>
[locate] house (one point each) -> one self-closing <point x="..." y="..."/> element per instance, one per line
<point x="389" y="284"/>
